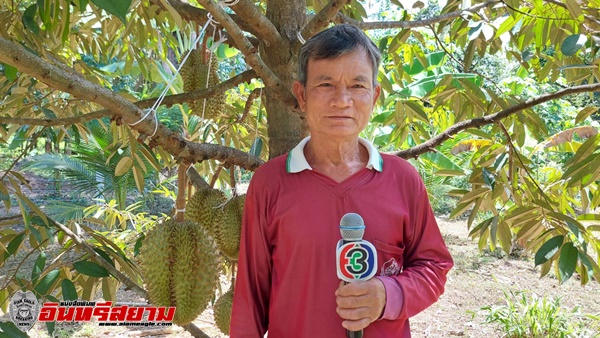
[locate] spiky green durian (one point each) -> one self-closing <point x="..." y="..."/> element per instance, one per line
<point x="203" y="206"/>
<point x="230" y="227"/>
<point x="180" y="267"/>
<point x="200" y="71"/>
<point x="222" y="311"/>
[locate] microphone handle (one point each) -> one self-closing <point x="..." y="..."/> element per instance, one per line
<point x="354" y="334"/>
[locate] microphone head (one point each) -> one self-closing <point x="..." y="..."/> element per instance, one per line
<point x="352" y="227"/>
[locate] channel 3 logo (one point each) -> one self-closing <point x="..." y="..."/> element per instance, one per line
<point x="356" y="261"/>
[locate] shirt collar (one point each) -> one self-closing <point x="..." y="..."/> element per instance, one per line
<point x="296" y="161"/>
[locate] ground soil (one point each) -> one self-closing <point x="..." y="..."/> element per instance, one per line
<point x="476" y="281"/>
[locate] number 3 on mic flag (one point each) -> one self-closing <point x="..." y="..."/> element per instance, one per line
<point x="356" y="261"/>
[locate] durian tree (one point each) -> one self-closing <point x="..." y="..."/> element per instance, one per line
<point x="227" y="67"/>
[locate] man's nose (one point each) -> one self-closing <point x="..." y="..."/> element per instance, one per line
<point x="341" y="97"/>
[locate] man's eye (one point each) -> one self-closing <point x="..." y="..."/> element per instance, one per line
<point x="359" y="86"/>
<point x="325" y="84"/>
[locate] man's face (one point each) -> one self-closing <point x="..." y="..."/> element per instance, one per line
<point x="339" y="95"/>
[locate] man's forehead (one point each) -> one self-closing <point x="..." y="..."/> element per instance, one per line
<point x="364" y="66"/>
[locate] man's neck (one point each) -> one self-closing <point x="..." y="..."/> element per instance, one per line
<point x="336" y="158"/>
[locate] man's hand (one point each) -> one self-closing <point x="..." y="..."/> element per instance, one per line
<point x="360" y="303"/>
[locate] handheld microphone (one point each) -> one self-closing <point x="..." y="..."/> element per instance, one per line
<point x="356" y="259"/>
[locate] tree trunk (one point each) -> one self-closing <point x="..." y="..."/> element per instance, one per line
<point x="286" y="128"/>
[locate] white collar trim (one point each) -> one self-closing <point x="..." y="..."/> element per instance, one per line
<point x="296" y="161"/>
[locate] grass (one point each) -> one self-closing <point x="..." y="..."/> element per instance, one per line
<point x="524" y="316"/>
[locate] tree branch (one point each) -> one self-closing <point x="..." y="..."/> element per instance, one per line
<point x="200" y="16"/>
<point x="424" y="147"/>
<point x="262" y="26"/>
<point x="323" y="18"/>
<point x="251" y="54"/>
<point x="173" y="143"/>
<point x="10" y="218"/>
<point x="167" y="101"/>
<point x="197" y="181"/>
<point x="249" y="102"/>
<point x="340" y="18"/>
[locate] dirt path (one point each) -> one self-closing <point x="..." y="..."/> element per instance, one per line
<point x="476" y="281"/>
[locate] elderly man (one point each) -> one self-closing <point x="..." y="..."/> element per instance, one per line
<point x="286" y="282"/>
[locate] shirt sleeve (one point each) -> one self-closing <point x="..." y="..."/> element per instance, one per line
<point x="250" y="309"/>
<point x="426" y="264"/>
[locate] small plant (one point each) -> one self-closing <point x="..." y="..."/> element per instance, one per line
<point x="535" y="317"/>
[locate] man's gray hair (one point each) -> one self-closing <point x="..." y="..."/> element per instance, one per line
<point x="336" y="41"/>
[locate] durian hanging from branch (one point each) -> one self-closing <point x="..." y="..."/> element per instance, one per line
<point x="200" y="71"/>
<point x="180" y="267"/>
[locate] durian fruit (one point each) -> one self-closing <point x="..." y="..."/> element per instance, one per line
<point x="222" y="311"/>
<point x="230" y="227"/>
<point x="194" y="73"/>
<point x="203" y="206"/>
<point x="180" y="267"/>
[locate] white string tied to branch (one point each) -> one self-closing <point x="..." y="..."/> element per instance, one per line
<point x="212" y="22"/>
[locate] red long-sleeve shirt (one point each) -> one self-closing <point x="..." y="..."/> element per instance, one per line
<point x="286" y="278"/>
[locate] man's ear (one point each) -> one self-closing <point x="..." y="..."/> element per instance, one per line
<point x="377" y="92"/>
<point x="300" y="93"/>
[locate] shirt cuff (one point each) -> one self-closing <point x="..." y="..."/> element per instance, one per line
<point x="394" y="298"/>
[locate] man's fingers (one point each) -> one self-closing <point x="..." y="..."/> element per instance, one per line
<point x="356" y="325"/>
<point x="352" y="289"/>
<point x="352" y="302"/>
<point x="354" y="314"/>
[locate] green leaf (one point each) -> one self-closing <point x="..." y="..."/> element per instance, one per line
<point x="138" y="245"/>
<point x="460" y="209"/>
<point x="572" y="44"/>
<point x="488" y="178"/>
<point x="505" y="236"/>
<point x="11" y="330"/>
<point x="117" y="8"/>
<point x="433" y="60"/>
<point x="567" y="262"/>
<point x="68" y="290"/>
<point x="48" y="113"/>
<point x="441" y="162"/>
<point x="585" y="113"/>
<point x="481" y="227"/>
<point x="123" y="166"/>
<point x="494" y="230"/>
<point x="44" y="285"/>
<point x="83" y="5"/>
<point x="256" y="148"/>
<point x="38" y="267"/>
<point x="588" y="264"/>
<point x="548" y="249"/>
<point x="29" y="19"/>
<point x="10" y="72"/>
<point x="50" y="327"/>
<point x="14" y="244"/>
<point x="90" y="269"/>
<point x="226" y="52"/>
<point x="588" y="217"/>
<point x="104" y="255"/>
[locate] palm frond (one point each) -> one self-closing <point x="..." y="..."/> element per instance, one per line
<point x="75" y="171"/>
<point x="64" y="211"/>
